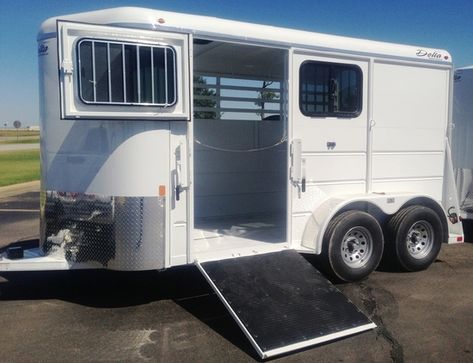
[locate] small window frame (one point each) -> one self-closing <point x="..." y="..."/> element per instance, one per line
<point x="338" y="114"/>
<point x="166" y="47"/>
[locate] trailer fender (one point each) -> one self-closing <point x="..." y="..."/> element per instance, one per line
<point x="380" y="206"/>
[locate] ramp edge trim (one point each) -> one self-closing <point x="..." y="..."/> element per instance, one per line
<point x="287" y="348"/>
<point x="325" y="338"/>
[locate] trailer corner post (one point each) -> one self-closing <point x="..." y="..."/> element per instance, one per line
<point x="371" y="125"/>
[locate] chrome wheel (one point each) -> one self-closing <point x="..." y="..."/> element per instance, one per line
<point x="420" y="239"/>
<point x="357" y="247"/>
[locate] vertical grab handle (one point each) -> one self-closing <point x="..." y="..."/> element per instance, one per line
<point x="178" y="192"/>
<point x="180" y="186"/>
<point x="298" y="164"/>
<point x="178" y="172"/>
<point x="303" y="176"/>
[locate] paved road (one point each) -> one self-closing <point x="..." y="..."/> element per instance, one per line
<point x="15" y="147"/>
<point x="173" y="316"/>
<point x="19" y="217"/>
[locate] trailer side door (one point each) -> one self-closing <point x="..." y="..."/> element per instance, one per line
<point x="329" y="131"/>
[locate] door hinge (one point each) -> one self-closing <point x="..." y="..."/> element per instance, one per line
<point x="296" y="150"/>
<point x="372" y="123"/>
<point x="67" y="67"/>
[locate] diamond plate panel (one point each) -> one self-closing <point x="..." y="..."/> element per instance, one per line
<point x="118" y="233"/>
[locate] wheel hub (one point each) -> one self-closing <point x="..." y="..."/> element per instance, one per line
<point x="352" y="245"/>
<point x="420" y="239"/>
<point x="357" y="247"/>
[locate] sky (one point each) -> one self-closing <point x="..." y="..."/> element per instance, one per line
<point x="430" y="23"/>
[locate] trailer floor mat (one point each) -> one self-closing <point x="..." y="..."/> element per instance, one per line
<point x="281" y="302"/>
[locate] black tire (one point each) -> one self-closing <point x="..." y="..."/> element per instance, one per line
<point x="353" y="246"/>
<point x="413" y="238"/>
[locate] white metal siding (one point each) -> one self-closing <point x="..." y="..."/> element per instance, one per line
<point x="228" y="29"/>
<point x="410" y="113"/>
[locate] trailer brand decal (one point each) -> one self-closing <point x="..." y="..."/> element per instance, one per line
<point x="430" y="55"/>
<point x="42" y="49"/>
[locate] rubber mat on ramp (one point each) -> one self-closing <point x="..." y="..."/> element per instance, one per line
<point x="281" y="302"/>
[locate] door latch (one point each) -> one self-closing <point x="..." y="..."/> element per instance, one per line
<point x="331" y="145"/>
<point x="67" y="67"/>
<point x="298" y="165"/>
<point x="179" y="190"/>
<point x="179" y="187"/>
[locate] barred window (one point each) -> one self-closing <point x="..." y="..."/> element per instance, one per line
<point x="120" y="73"/>
<point x="330" y="89"/>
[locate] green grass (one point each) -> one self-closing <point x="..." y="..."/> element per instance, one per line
<point x="12" y="133"/>
<point x="34" y="140"/>
<point x="18" y="166"/>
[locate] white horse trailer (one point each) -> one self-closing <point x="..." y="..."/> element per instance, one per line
<point x="172" y="139"/>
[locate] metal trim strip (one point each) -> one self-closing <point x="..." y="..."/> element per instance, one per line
<point x="326" y="338"/>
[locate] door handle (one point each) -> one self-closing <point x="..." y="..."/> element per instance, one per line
<point x="298" y="165"/>
<point x="179" y="187"/>
<point x="178" y="192"/>
<point x="303" y="180"/>
<point x="296" y="172"/>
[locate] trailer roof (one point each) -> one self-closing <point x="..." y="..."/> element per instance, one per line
<point x="212" y="27"/>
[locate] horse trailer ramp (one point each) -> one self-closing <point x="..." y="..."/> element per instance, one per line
<point x="281" y="302"/>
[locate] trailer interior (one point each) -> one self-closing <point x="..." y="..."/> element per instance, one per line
<point x="240" y="148"/>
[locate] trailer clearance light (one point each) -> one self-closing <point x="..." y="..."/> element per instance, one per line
<point x="459" y="239"/>
<point x="162" y="190"/>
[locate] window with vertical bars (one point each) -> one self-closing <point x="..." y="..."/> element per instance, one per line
<point x="121" y="73"/>
<point x="330" y="89"/>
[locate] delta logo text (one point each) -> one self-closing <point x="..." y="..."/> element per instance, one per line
<point x="42" y="49"/>
<point x="422" y="53"/>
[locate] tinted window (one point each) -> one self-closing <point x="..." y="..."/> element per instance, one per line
<point x="101" y="72"/>
<point x="330" y="89"/>
<point x="116" y="72"/>
<point x="86" y="72"/>
<point x="126" y="73"/>
<point x="146" y="78"/>
<point x="131" y="81"/>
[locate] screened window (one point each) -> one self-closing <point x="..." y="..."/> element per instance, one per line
<point x="126" y="73"/>
<point x="330" y="89"/>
